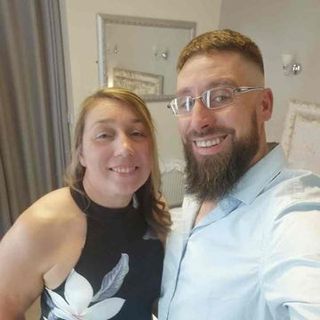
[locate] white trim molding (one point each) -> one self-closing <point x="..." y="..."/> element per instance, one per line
<point x="172" y="176"/>
<point x="301" y="135"/>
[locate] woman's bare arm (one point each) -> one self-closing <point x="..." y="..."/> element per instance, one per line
<point x="21" y="267"/>
<point x="40" y="249"/>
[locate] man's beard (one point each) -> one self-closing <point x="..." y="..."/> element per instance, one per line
<point x="215" y="175"/>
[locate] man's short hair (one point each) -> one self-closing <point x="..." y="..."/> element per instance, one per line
<point x="222" y="40"/>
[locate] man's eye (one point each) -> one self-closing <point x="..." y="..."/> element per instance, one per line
<point x="185" y="103"/>
<point x="220" y="98"/>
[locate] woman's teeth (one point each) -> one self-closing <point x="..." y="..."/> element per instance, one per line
<point x="123" y="169"/>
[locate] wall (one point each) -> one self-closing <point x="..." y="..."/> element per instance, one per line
<point x="281" y="26"/>
<point x="82" y="47"/>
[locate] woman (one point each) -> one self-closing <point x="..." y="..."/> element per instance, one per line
<point x="92" y="249"/>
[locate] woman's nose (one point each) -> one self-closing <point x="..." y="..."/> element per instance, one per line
<point x="124" y="146"/>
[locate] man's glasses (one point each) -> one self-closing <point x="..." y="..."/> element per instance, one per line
<point x="213" y="99"/>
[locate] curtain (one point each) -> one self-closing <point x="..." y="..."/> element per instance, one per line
<point x="34" y="133"/>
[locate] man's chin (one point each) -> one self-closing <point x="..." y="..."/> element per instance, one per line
<point x="201" y="159"/>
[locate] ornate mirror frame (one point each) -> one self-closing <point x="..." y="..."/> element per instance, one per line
<point x="159" y="42"/>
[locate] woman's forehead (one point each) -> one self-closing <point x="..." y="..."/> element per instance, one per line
<point x="112" y="111"/>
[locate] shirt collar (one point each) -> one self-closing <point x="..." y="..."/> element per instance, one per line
<point x="246" y="190"/>
<point x="256" y="178"/>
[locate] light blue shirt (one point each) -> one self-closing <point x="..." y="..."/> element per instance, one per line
<point x="256" y="256"/>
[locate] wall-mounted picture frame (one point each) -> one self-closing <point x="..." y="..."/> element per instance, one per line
<point x="300" y="138"/>
<point x="142" y="83"/>
<point x="147" y="48"/>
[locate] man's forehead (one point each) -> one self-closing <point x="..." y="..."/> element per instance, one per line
<point x="219" y="68"/>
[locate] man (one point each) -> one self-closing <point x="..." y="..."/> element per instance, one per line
<point x="247" y="245"/>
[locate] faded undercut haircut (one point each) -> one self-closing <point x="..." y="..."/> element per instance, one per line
<point x="149" y="195"/>
<point x="221" y="40"/>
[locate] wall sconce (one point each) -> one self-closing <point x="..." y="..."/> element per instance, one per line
<point x="113" y="50"/>
<point x="289" y="65"/>
<point x="160" y="53"/>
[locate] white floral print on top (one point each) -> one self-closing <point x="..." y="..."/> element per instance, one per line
<point x="79" y="294"/>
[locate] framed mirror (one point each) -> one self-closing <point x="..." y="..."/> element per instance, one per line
<point x="140" y="54"/>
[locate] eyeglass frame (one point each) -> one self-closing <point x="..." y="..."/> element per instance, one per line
<point x="234" y="91"/>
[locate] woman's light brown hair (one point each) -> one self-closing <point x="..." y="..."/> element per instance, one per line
<point x="149" y="195"/>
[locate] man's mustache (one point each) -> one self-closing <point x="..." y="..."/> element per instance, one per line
<point x="209" y="131"/>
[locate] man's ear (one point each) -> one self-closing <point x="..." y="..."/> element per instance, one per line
<point x="267" y="104"/>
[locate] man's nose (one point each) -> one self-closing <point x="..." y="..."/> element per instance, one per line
<point x="201" y="116"/>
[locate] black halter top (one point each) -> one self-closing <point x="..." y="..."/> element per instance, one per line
<point x="118" y="274"/>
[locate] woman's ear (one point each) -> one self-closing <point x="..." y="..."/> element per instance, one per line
<point x="267" y="104"/>
<point x="80" y="156"/>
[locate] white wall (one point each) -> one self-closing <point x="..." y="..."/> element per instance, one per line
<point x="281" y="26"/>
<point x="82" y="47"/>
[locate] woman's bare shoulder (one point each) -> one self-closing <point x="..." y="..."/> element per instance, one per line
<point x="38" y="242"/>
<point x="55" y="207"/>
<point x="44" y="229"/>
<point x="49" y="217"/>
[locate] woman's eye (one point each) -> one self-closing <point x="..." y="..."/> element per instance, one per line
<point x="137" y="133"/>
<point x="103" y="135"/>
